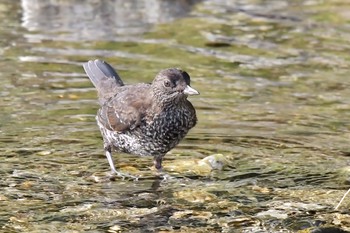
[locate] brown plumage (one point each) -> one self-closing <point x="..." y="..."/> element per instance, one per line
<point x="142" y="119"/>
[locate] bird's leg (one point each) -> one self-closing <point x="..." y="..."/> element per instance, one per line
<point x="158" y="165"/>
<point x="158" y="162"/>
<point x="108" y="150"/>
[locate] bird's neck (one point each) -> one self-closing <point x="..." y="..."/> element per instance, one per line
<point x="168" y="102"/>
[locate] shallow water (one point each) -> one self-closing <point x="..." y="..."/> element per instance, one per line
<point x="274" y="110"/>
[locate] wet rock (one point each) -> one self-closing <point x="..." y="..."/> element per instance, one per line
<point x="190" y="217"/>
<point x="196" y="196"/>
<point x="342" y="220"/>
<point x="344" y="174"/>
<point x="115" y="229"/>
<point x="263" y="190"/>
<point x="44" y="152"/>
<point x="215" y="162"/>
<point x="3" y="198"/>
<point x="273" y="213"/>
<point x="201" y="167"/>
<point x="191" y="214"/>
<point x="301" y="206"/>
<point x="76" y="209"/>
<point x="130" y="170"/>
<point x="27" y="184"/>
<point x="323" y="230"/>
<point x="231" y="222"/>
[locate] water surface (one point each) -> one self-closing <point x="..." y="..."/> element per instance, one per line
<point x="274" y="109"/>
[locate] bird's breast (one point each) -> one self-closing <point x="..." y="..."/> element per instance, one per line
<point x="170" y="124"/>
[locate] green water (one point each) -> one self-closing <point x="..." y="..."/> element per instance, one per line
<point x="274" y="108"/>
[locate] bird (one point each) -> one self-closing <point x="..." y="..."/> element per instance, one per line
<point x="144" y="119"/>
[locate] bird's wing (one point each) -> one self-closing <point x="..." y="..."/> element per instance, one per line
<point x="126" y="109"/>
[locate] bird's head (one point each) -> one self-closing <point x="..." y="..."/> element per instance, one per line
<point x="172" y="84"/>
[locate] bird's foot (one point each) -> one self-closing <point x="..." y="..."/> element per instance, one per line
<point x="123" y="176"/>
<point x="166" y="177"/>
<point x="163" y="175"/>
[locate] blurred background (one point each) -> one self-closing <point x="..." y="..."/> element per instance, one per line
<point x="273" y="115"/>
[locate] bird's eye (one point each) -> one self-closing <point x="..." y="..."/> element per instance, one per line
<point x="167" y="83"/>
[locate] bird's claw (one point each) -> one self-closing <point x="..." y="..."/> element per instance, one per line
<point x="123" y="176"/>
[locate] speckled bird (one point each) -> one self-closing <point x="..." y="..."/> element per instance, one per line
<point x="142" y="119"/>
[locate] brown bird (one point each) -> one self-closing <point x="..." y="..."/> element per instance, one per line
<point x="142" y="119"/>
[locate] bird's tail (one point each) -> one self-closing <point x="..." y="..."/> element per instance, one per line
<point x="104" y="77"/>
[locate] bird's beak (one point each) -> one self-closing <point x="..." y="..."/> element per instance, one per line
<point x="190" y="91"/>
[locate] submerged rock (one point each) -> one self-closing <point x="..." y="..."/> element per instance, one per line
<point x="201" y="167"/>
